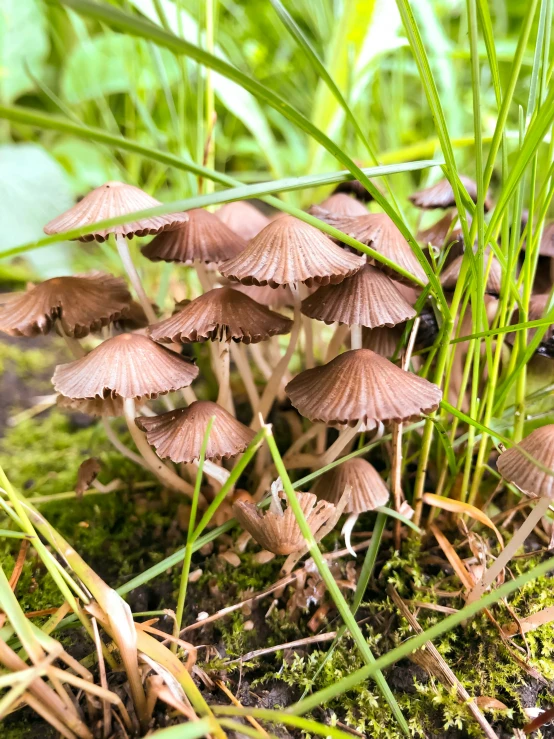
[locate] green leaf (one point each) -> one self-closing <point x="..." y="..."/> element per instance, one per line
<point x="23" y="43"/>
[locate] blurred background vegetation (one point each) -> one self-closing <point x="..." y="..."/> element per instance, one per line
<point x="53" y="60"/>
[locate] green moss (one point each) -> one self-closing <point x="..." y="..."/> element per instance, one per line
<point x="26" y="363"/>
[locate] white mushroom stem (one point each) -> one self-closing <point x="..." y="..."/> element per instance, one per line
<point x="308" y="332"/>
<point x="355" y="337"/>
<point x="120" y="446"/>
<point x="517" y="540"/>
<point x="189" y="395"/>
<point x="164" y="474"/>
<point x="272" y="387"/>
<point x="239" y="358"/>
<point x="344" y="438"/>
<point x="260" y="361"/>
<point x="214" y="472"/>
<point x="224" y="359"/>
<point x="133" y="275"/>
<point x="337" y="340"/>
<point x="203" y="277"/>
<point x="346" y="531"/>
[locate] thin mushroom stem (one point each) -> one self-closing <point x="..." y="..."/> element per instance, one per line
<point x="344" y="438"/>
<point x="134" y="278"/>
<point x="120" y="446"/>
<point x="341" y="331"/>
<point x="224" y="359"/>
<point x="239" y="357"/>
<point x="355" y="337"/>
<point x="164" y="474"/>
<point x="272" y="387"/>
<point x="260" y="361"/>
<point x="510" y="549"/>
<point x="308" y="333"/>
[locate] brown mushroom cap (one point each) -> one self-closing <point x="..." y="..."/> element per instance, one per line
<point x="82" y="304"/>
<point x="338" y="204"/>
<point x="243" y="218"/>
<point x="355" y="188"/>
<point x="281" y="534"/>
<point x="441" y="195"/>
<point x="360" y="385"/>
<point x="203" y="238"/>
<point x="538" y="305"/>
<point x="437" y="233"/>
<point x="379" y="231"/>
<point x="126" y="366"/>
<point x="105" y="407"/>
<point x="368" y="298"/>
<point x="179" y="434"/>
<point x="109" y="201"/>
<point x="450" y="276"/>
<point x="289" y="251"/>
<point x="279" y="297"/>
<point x="516" y="467"/>
<point x="221" y="314"/>
<point x="368" y="491"/>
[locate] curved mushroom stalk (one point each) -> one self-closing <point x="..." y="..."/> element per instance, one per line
<point x="134" y="278"/>
<point x="346" y="531"/>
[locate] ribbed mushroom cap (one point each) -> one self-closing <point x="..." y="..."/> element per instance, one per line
<point x="203" y="238"/>
<point x="338" y="204"/>
<point x="243" y="218"/>
<point x="450" y="276"/>
<point x="178" y="434"/>
<point x="368" y="298"/>
<point x="105" y="407"/>
<point x="272" y="297"/>
<point x="441" y="195"/>
<point x="360" y="385"/>
<point x="221" y="314"/>
<point x="134" y="318"/>
<point x="82" y="304"/>
<point x="281" y="534"/>
<point x="128" y="366"/>
<point x="289" y="251"/>
<point x="368" y="491"/>
<point x="378" y="231"/>
<point x="383" y="340"/>
<point x="109" y="201"/>
<point x="515" y="467"/>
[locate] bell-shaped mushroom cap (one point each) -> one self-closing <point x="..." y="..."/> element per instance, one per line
<point x="279" y="297"/>
<point x="339" y="204"/>
<point x="379" y="231"/>
<point x="134" y="318"/>
<point x="281" y="534"/>
<point x="516" y="466"/>
<point x="441" y="195"/>
<point x="105" y="407"/>
<point x="289" y="251"/>
<point x="221" y="314"/>
<point x="243" y="218"/>
<point x="360" y="385"/>
<point x="178" y="434"/>
<point x="368" y="298"/>
<point x="126" y="366"/>
<point x="203" y="238"/>
<point x="383" y="340"/>
<point x="82" y="304"/>
<point x="368" y="491"/>
<point x="451" y="274"/>
<point x="109" y="201"/>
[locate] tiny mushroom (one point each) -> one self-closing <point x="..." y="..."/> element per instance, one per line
<point x="339" y="204"/>
<point x="450" y="276"/>
<point x="243" y="218"/>
<point x="441" y="195"/>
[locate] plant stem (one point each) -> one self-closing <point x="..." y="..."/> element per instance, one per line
<point x="224" y="394"/>
<point x="133" y="275"/>
<point x="355" y="337"/>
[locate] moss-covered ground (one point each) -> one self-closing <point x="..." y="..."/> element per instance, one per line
<point x="124" y="532"/>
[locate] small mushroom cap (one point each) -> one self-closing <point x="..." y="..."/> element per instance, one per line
<point x="110" y="407"/>
<point x="355" y="188"/>
<point x="82" y="304"/>
<point x="437" y="233"/>
<point x="339" y="204"/>
<point x="109" y="201"/>
<point x="516" y="467"/>
<point x="289" y="251"/>
<point x="360" y="385"/>
<point x="221" y="314"/>
<point x="368" y="491"/>
<point x="125" y="366"/>
<point x="368" y="298"/>
<point x="203" y="238"/>
<point x="243" y="218"/>
<point x="134" y="318"/>
<point x="281" y="534"/>
<point x="441" y="195"/>
<point x="280" y="297"/>
<point x="379" y="231"/>
<point x="450" y="276"/>
<point x="178" y="434"/>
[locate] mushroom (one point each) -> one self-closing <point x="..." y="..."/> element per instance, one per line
<point x="441" y="195"/>
<point x="379" y="231"/>
<point x="243" y="218"/>
<point x="367" y="491"/>
<point x="77" y="305"/>
<point x="339" y="204"/>
<point x="355" y="188"/>
<point x="369" y="298"/>
<point x="289" y="252"/>
<point x="451" y="275"/>
<point x="277" y="530"/>
<point x="109" y="201"/>
<point x="530" y="466"/>
<point x="222" y="315"/>
<point x="127" y="368"/>
<point x="179" y="434"/>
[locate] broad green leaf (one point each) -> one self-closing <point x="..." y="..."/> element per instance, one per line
<point x="23" y="43"/>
